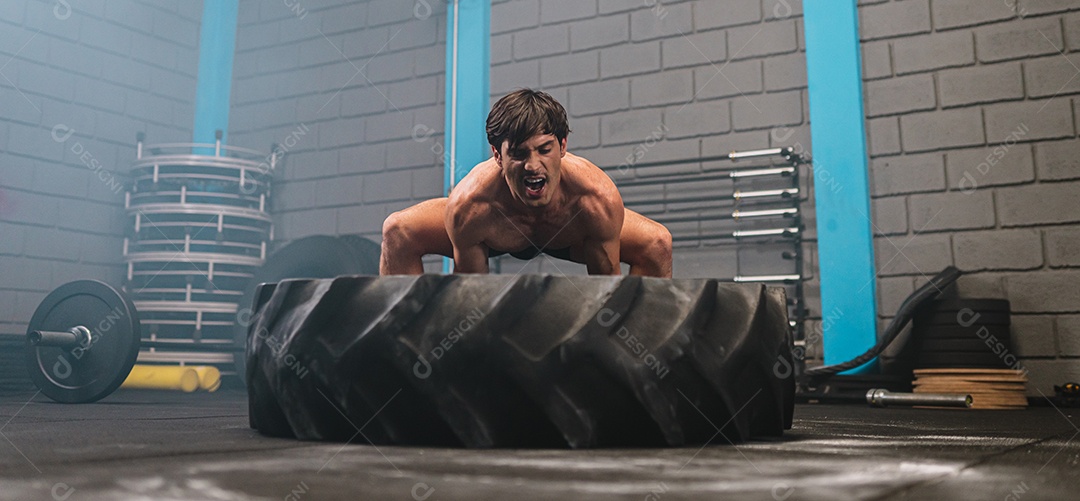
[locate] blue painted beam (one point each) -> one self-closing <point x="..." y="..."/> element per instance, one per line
<point x="842" y="190"/>
<point x="468" y="63"/>
<point x="217" y="43"/>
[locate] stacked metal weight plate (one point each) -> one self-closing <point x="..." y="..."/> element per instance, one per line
<point x="199" y="230"/>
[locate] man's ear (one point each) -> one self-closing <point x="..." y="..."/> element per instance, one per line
<point x="562" y="148"/>
<point x="498" y="156"/>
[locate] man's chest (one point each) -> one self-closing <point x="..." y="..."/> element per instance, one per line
<point x="507" y="232"/>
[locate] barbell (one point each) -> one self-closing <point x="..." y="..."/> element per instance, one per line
<point x="82" y="342"/>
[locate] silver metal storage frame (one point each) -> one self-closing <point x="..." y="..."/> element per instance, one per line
<point x="199" y="229"/>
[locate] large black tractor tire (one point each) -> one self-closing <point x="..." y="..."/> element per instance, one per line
<point x="520" y="361"/>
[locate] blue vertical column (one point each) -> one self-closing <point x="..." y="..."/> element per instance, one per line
<point x="468" y="63"/>
<point x="217" y="43"/>
<point x="845" y="237"/>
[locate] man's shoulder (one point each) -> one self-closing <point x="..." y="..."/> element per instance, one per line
<point x="475" y="185"/>
<point x="469" y="203"/>
<point x="595" y="184"/>
<point x="599" y="197"/>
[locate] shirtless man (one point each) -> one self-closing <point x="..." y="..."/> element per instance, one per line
<point x="530" y="197"/>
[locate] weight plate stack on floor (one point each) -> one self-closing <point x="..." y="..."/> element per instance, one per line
<point x="988" y="388"/>
<point x="520" y="361"/>
<point x="963" y="333"/>
<point x="199" y="231"/>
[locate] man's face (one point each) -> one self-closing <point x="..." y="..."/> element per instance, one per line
<point x="533" y="168"/>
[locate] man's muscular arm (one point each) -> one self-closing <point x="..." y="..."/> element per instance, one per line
<point x="463" y="225"/>
<point x="601" y="248"/>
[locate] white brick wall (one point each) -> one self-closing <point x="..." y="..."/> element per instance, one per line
<point x="106" y="70"/>
<point x="1004" y="121"/>
<point x="365" y="77"/>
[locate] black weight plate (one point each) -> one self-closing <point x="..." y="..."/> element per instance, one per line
<point x="966" y="317"/>
<point x="78" y="375"/>
<point x="969" y="345"/>
<point x="959" y="332"/>
<point x="955" y="358"/>
<point x="957" y="304"/>
<point x="367" y="252"/>
<point x="957" y="365"/>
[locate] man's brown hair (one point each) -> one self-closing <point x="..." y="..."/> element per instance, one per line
<point x="525" y="113"/>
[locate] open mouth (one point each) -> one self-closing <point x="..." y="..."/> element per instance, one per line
<point x="534" y="186"/>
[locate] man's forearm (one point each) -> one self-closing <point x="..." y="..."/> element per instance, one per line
<point x="472" y="259"/>
<point x="603" y="259"/>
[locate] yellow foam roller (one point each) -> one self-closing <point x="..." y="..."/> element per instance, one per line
<point x="162" y="377"/>
<point x="209" y="377"/>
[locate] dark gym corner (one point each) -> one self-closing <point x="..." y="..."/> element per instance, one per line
<point x="971" y="107"/>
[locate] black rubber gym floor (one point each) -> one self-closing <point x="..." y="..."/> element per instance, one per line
<point x="159" y="445"/>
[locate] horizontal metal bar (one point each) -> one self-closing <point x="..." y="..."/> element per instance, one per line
<point x="180" y="243"/>
<point x="884" y="398"/>
<point x="182" y="291"/>
<point x="723" y="175"/>
<point x="736" y="174"/>
<point x="768" y="278"/>
<point x="771" y="152"/>
<point x="61" y="339"/>
<point x="191" y="323"/>
<point x="708" y="159"/>
<point x="228" y="163"/>
<point x="706" y="216"/>
<point x="680" y="161"/>
<point x="199" y="257"/>
<point x="688" y="178"/>
<point x="764" y="213"/>
<point x="688" y="218"/>
<point x="230" y="229"/>
<point x="136" y="197"/>
<point x="202" y="209"/>
<point x="185" y="307"/>
<point x="726" y="238"/>
<point x="724" y="205"/>
<point x="194" y="272"/>
<point x="721" y="201"/>
<point x="187" y="146"/>
<point x="764" y="233"/>
<point x="787" y="193"/>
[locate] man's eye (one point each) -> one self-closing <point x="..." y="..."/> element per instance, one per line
<point x="545" y="152"/>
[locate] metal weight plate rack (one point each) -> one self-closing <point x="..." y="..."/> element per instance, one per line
<point x="749" y="200"/>
<point x="199" y="229"/>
